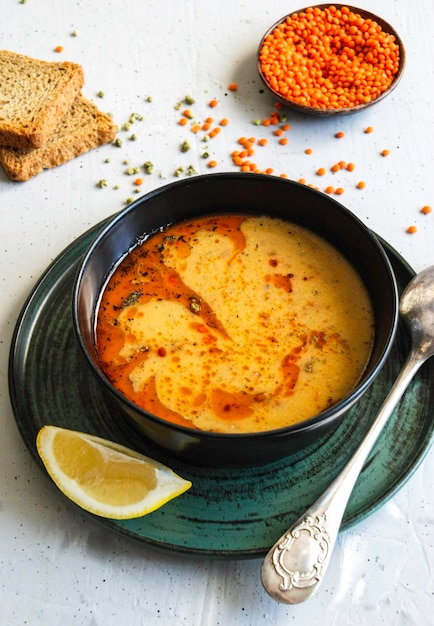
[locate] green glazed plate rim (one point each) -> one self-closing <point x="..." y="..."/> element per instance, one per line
<point x="228" y="513"/>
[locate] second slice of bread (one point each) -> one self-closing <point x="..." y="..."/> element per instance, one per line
<point x="83" y="128"/>
<point x="34" y="96"/>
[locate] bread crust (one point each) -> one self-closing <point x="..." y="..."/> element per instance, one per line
<point x="34" y="96"/>
<point x="83" y="128"/>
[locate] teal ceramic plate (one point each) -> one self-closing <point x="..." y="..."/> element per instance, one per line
<point x="227" y="513"/>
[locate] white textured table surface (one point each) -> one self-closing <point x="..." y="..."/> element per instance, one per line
<point x="57" y="565"/>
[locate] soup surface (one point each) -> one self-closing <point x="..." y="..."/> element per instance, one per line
<point x="235" y="323"/>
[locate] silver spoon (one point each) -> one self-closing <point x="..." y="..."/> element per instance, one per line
<point x="295" y="566"/>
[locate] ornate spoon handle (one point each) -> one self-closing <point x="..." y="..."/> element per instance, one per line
<point x="295" y="566"/>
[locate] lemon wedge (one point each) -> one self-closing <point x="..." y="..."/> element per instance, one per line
<point x="105" y="478"/>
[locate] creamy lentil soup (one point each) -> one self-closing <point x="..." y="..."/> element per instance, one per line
<point x="235" y="323"/>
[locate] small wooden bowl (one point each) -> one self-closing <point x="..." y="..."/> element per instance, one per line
<point x="327" y="112"/>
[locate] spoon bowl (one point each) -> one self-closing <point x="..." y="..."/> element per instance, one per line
<point x="295" y="566"/>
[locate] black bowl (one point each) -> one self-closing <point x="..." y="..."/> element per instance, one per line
<point x="310" y="110"/>
<point x="235" y="193"/>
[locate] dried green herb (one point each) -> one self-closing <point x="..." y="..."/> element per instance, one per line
<point x="132" y="298"/>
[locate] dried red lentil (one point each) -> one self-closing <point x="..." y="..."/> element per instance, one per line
<point x="329" y="58"/>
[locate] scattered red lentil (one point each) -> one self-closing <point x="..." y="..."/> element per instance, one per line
<point x="426" y="209"/>
<point x="213" y="103"/>
<point x="412" y="229"/>
<point x="240" y="157"/>
<point x="385" y="153"/>
<point x="58" y="49"/>
<point x="340" y="135"/>
<point x="138" y="182"/>
<point x="215" y="131"/>
<point x="369" y="129"/>
<point x="233" y="87"/>
<point x="329" y="58"/>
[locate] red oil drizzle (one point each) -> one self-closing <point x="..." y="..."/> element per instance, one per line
<point x="143" y="276"/>
<point x="148" y="399"/>
<point x="281" y="281"/>
<point x="231" y="406"/>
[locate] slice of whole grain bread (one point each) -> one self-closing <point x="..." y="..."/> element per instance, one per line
<point x="34" y="96"/>
<point x="83" y="128"/>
